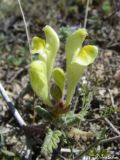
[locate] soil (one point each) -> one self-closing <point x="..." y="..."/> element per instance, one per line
<point x="102" y="79"/>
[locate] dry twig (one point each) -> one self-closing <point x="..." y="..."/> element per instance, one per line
<point x="13" y="110"/>
<point x="112" y="126"/>
<point x="25" y="24"/>
<point x="98" y="142"/>
<point x="17" y="74"/>
<point x="86" y="13"/>
<point x="19" y="119"/>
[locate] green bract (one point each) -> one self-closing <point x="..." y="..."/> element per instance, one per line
<point x="59" y="77"/>
<point x="38" y="78"/>
<point x="78" y="58"/>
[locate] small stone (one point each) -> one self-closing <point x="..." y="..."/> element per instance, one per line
<point x="108" y="53"/>
<point x="117" y="76"/>
<point x="13" y="139"/>
<point x="28" y="97"/>
<point x="102" y="92"/>
<point x="115" y="91"/>
<point x="97" y="116"/>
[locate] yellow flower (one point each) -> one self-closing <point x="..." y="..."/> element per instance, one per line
<point x="38" y="44"/>
<point x="40" y="70"/>
<point x="78" y="58"/>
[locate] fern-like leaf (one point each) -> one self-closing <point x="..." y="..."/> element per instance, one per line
<point x="43" y="113"/>
<point x="72" y="118"/>
<point x="51" y="142"/>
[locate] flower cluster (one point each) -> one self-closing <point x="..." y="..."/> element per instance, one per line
<point x="42" y="70"/>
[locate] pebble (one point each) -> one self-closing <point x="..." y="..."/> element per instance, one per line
<point x="117" y="76"/>
<point x="108" y="53"/>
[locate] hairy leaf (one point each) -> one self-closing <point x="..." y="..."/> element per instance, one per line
<point x="71" y="118"/>
<point x="43" y="113"/>
<point x="51" y="142"/>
